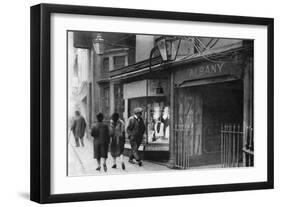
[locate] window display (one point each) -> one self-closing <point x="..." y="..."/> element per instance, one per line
<point x="158" y="119"/>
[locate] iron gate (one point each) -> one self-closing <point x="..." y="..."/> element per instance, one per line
<point x="181" y="148"/>
<point x="186" y="146"/>
<point x="231" y="145"/>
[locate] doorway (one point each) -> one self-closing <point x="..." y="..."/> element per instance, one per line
<point x="199" y="114"/>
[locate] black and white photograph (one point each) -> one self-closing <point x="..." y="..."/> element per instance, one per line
<point x="143" y="103"/>
<point x="131" y="103"/>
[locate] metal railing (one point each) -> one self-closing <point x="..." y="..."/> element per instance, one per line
<point x="186" y="145"/>
<point x="233" y="151"/>
<point x="231" y="145"/>
<point x="181" y="148"/>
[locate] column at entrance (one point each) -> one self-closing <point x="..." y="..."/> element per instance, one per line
<point x="248" y="141"/>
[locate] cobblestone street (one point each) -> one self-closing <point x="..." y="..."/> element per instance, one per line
<point x="81" y="162"/>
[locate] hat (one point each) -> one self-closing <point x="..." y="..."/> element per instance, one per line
<point x="138" y="110"/>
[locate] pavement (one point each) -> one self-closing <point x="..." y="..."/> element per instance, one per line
<point x="81" y="161"/>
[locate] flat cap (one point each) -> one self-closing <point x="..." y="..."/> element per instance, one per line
<point x="138" y="110"/>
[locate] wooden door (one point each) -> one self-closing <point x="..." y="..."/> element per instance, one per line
<point x="188" y="125"/>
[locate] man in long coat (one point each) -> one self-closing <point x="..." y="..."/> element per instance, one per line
<point x="78" y="128"/>
<point x="135" y="131"/>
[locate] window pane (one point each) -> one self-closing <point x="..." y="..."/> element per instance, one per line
<point x="119" y="62"/>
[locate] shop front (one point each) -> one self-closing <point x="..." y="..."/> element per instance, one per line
<point x="197" y="112"/>
<point x="153" y="96"/>
<point x="209" y="96"/>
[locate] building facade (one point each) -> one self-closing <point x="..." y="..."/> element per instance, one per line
<point x="198" y="109"/>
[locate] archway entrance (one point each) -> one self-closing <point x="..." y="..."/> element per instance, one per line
<point x="199" y="114"/>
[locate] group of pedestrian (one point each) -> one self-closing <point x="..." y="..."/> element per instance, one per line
<point x="112" y="138"/>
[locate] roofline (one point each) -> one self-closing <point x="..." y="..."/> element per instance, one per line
<point x="175" y="63"/>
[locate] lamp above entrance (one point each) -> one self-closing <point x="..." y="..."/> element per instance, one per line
<point x="168" y="47"/>
<point x="99" y="44"/>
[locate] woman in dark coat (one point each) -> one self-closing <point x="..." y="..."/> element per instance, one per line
<point x="100" y="132"/>
<point x="117" y="137"/>
<point x="78" y="128"/>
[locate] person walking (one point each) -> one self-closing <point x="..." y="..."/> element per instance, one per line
<point x="117" y="137"/>
<point x="135" y="131"/>
<point x="78" y="128"/>
<point x="100" y="133"/>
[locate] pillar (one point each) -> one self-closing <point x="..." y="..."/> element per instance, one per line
<point x="96" y="75"/>
<point x="248" y="107"/>
<point x="172" y="122"/>
<point x="111" y="98"/>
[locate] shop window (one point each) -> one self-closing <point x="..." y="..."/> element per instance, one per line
<point x="119" y="62"/>
<point x="157" y="119"/>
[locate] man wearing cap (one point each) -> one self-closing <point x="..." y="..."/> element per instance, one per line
<point x="135" y="131"/>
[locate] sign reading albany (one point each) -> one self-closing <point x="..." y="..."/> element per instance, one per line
<point x="207" y="70"/>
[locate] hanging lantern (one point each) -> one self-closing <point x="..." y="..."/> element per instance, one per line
<point x="168" y="47"/>
<point x="99" y="44"/>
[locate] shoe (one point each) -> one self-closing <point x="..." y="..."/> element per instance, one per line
<point x="104" y="168"/>
<point x="123" y="166"/>
<point x="114" y="166"/>
<point x="140" y="163"/>
<point x="131" y="161"/>
<point x="98" y="169"/>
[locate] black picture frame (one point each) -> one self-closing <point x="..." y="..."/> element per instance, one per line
<point x="41" y="102"/>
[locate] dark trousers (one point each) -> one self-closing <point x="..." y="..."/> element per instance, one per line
<point x="134" y="150"/>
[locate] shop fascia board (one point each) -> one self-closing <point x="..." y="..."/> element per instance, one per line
<point x="169" y="65"/>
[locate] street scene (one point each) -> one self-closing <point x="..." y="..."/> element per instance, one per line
<point x="148" y="103"/>
<point x="83" y="164"/>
